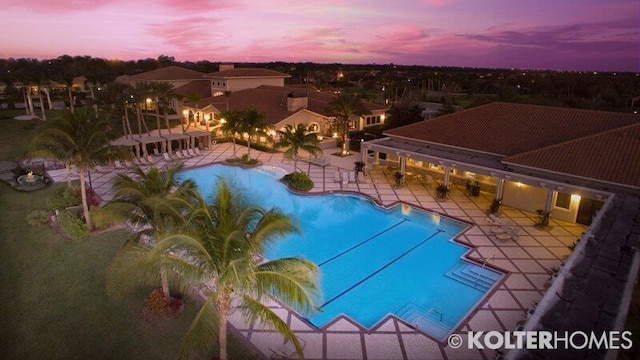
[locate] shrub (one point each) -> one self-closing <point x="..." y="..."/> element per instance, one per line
<point x="298" y="181"/>
<point x="72" y="225"/>
<point x="63" y="198"/>
<point x="92" y="197"/>
<point x="244" y="160"/>
<point x="37" y="218"/>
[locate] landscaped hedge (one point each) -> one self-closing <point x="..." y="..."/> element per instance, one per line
<point x="72" y="224"/>
<point x="244" y="160"/>
<point x="63" y="198"/>
<point x="298" y="181"/>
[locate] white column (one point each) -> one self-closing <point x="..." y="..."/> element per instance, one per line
<point x="403" y="165"/>
<point x="376" y="157"/>
<point x="447" y="172"/>
<point x="500" y="189"/>
<point x="548" y="203"/>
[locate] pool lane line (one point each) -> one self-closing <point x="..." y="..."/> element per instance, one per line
<point x="361" y="243"/>
<point x="438" y="231"/>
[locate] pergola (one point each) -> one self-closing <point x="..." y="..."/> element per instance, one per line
<point x="174" y="136"/>
<point x="204" y="136"/>
<point x="145" y="139"/>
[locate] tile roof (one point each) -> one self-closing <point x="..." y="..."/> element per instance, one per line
<point x="509" y="129"/>
<point x="272" y="100"/>
<point x="200" y="87"/>
<point x="168" y="73"/>
<point x="612" y="156"/>
<point x="246" y="72"/>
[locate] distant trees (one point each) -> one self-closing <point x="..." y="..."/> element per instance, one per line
<point x="403" y="113"/>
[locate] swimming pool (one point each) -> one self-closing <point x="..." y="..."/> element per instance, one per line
<point x="374" y="262"/>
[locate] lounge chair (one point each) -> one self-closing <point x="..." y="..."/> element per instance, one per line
<point x="510" y="234"/>
<point x="99" y="168"/>
<point x="118" y="165"/>
<point x="352" y="176"/>
<point x="197" y="151"/>
<point x="428" y="179"/>
<point x="191" y="152"/>
<point x="166" y="156"/>
<point x="178" y="154"/>
<point x="128" y="164"/>
<point x="185" y="154"/>
<point x="149" y="159"/>
<point x="345" y="178"/>
<point x="337" y="177"/>
<point x="140" y="161"/>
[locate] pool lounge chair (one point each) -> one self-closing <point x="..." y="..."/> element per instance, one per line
<point x="185" y="154"/>
<point x="99" y="168"/>
<point x="149" y="159"/>
<point x="352" y="177"/>
<point x="510" y="234"/>
<point x="166" y="156"/>
<point x="118" y="165"/>
<point x="128" y="164"/>
<point x="178" y="154"/>
<point x="337" y="177"/>
<point x="191" y="152"/>
<point x="197" y="151"/>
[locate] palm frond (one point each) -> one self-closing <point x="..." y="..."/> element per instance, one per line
<point x="201" y="335"/>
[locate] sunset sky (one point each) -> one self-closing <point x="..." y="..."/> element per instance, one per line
<point x="542" y="34"/>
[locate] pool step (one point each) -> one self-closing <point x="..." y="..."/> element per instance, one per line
<point x="430" y="321"/>
<point x="474" y="276"/>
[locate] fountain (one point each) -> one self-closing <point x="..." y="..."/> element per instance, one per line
<point x="31" y="181"/>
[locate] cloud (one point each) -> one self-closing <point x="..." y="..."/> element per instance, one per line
<point x="198" y="6"/>
<point x="47" y="6"/>
<point x="190" y="36"/>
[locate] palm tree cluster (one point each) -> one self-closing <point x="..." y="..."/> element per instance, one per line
<point x="80" y="139"/>
<point x="296" y="139"/>
<point x="212" y="251"/>
<point x="344" y="108"/>
<point x="249" y="121"/>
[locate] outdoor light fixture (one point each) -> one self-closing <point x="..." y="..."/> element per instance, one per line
<point x="335" y="135"/>
<point x="518" y="184"/>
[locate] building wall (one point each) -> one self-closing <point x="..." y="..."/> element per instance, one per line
<point x="566" y="214"/>
<point x="525" y="197"/>
<point x="305" y="117"/>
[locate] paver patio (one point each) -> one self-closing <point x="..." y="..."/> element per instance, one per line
<point x="526" y="262"/>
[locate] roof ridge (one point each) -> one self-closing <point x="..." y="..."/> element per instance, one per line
<point x="582" y="138"/>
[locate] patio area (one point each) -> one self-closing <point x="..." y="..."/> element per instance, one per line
<point x="526" y="261"/>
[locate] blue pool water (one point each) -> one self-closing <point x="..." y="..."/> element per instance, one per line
<point x="373" y="261"/>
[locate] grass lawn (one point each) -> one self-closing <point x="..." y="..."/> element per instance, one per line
<point x="54" y="302"/>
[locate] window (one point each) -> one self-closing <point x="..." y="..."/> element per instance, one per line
<point x="372" y="120"/>
<point x="563" y="200"/>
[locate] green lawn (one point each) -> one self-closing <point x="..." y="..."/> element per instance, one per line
<point x="54" y="302"/>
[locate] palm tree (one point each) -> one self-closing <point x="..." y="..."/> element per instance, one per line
<point x="163" y="92"/>
<point x="152" y="203"/>
<point x="80" y="139"/>
<point x="253" y="124"/>
<point x="231" y="125"/>
<point x="296" y="139"/>
<point x="219" y="258"/>
<point x="343" y="108"/>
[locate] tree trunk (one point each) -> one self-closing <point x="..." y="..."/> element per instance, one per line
<point x="30" y="103"/>
<point x="166" y="120"/>
<point x="222" y="332"/>
<point x="44" y="116"/>
<point x="70" y="97"/>
<point x="126" y="117"/>
<point x="26" y="103"/>
<point x="165" y="284"/>
<point x="233" y="140"/>
<point x="46" y="91"/>
<point x="158" y="117"/>
<point x="83" y="194"/>
<point x="139" y="116"/>
<point x="249" y="147"/>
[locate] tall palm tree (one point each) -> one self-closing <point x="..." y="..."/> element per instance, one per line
<point x="141" y="92"/>
<point x="163" y="92"/>
<point x="152" y="203"/>
<point x="231" y="125"/>
<point x="227" y="243"/>
<point x="253" y="124"/>
<point x="80" y="139"/>
<point x="297" y="139"/>
<point x="344" y="107"/>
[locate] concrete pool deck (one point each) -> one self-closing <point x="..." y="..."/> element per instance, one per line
<point x="527" y="262"/>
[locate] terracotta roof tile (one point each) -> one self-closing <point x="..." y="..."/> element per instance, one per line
<point x="509" y="129"/>
<point x="612" y="156"/>
<point x="200" y="87"/>
<point x="246" y="72"/>
<point x="168" y="73"/>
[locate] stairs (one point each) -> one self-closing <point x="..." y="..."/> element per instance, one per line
<point x="430" y="321"/>
<point x="473" y="275"/>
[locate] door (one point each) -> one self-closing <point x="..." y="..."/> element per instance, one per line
<point x="587" y="210"/>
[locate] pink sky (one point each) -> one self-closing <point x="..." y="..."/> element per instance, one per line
<point x="542" y="34"/>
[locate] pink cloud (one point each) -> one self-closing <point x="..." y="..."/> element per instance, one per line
<point x="198" y="6"/>
<point x="47" y="6"/>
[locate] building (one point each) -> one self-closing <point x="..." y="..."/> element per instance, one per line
<point x="558" y="161"/>
<point x="229" y="79"/>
